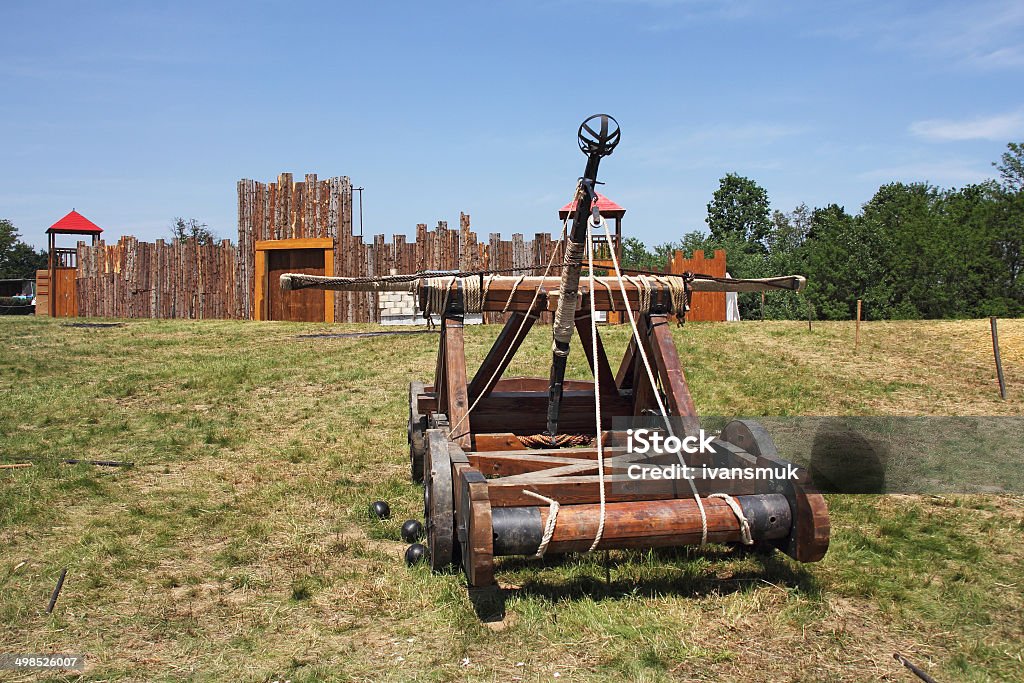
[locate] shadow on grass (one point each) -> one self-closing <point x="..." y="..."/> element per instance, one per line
<point x="682" y="572"/>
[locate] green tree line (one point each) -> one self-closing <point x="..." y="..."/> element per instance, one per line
<point x="913" y="251"/>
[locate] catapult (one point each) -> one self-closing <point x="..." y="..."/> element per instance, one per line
<point x="533" y="465"/>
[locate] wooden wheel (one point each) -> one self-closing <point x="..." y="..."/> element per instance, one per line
<point x="439" y="501"/>
<point x="474" y="521"/>
<point x="751" y="436"/>
<point x="809" y="536"/>
<point x="416" y="433"/>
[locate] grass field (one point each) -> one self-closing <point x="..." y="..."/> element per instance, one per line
<point x="238" y="547"/>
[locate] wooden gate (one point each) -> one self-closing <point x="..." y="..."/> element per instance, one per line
<point x="703" y="305"/>
<point x="310" y="256"/>
<point x="62" y="289"/>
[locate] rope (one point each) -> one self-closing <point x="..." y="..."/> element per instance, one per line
<point x="650" y="376"/>
<point x="611" y="296"/>
<point x="549" y="528"/>
<point x="597" y="387"/>
<point x="522" y="325"/>
<point x="738" y="511"/>
<point x="515" y="286"/>
<point x="559" y="440"/>
<point x="472" y="294"/>
<point x="565" y="316"/>
<point x="437" y="296"/>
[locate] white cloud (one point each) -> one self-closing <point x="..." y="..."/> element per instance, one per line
<point x="1000" y="127"/>
<point x="984" y="34"/>
<point x="942" y="173"/>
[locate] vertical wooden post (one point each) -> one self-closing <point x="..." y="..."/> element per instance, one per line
<point x="51" y="302"/>
<point x="856" y="335"/>
<point x="762" y="306"/>
<point x="999" y="362"/>
<point x="808" y="314"/>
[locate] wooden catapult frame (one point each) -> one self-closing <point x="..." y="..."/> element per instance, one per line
<point x="477" y="472"/>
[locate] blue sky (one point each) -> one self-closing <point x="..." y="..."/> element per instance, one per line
<point x="135" y="113"/>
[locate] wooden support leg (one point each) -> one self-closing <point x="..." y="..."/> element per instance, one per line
<point x="624" y="377"/>
<point x="440" y="373"/>
<point x="604" y="370"/>
<point x="475" y="518"/>
<point x="501" y="354"/>
<point x="656" y="336"/>
<point x="455" y="392"/>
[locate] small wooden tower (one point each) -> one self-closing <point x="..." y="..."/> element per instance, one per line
<point x="602" y="256"/>
<point x="57" y="283"/>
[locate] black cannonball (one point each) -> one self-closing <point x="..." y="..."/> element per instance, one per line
<point x="380" y="510"/>
<point x="412" y="531"/>
<point x="416" y="553"/>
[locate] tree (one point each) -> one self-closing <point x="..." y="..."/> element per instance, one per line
<point x="17" y="259"/>
<point x="192" y="229"/>
<point x="739" y="209"/>
<point x="1011" y="167"/>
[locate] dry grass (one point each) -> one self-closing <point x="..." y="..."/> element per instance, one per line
<point x="238" y="547"/>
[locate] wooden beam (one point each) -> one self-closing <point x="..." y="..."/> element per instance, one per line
<point x="259" y="309"/>
<point x="328" y="270"/>
<point x="298" y="243"/>
<point x="501" y="354"/>
<point x="455" y="389"/>
<point x="624" y="377"/>
<point x="603" y="369"/>
<point x="663" y="354"/>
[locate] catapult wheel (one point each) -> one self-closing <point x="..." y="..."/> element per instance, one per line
<point x="439" y="501"/>
<point x="416" y="433"/>
<point x="475" y="531"/>
<point x="751" y="436"/>
<point x="809" y="535"/>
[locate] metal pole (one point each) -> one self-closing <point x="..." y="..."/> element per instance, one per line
<point x="999" y="362"/>
<point x="360" y="191"/>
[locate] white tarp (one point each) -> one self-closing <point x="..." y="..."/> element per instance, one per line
<point x="732" y="306"/>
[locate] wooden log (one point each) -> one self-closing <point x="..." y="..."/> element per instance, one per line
<point x="638" y="524"/>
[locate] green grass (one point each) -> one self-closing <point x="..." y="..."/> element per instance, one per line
<point x="238" y="547"/>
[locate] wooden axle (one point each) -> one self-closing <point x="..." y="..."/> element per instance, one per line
<point x="644" y="524"/>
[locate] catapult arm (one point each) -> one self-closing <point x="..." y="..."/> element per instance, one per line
<point x="499" y="289"/>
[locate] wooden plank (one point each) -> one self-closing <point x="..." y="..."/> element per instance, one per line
<point x="497" y="442"/>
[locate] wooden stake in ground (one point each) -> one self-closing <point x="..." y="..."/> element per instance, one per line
<point x="808" y="315"/>
<point x="999" y="362"/>
<point x="762" y="306"/>
<point x="856" y="334"/>
<point x="15" y="465"/>
<point x="914" y="669"/>
<point x="56" y="591"/>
